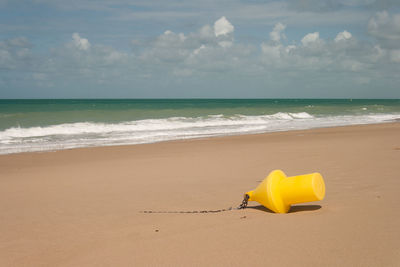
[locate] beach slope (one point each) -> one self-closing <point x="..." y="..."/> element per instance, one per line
<point x="82" y="207"/>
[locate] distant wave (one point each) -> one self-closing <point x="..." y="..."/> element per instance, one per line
<point x="83" y="134"/>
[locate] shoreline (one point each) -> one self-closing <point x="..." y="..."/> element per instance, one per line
<point x="202" y="138"/>
<point x="81" y="206"/>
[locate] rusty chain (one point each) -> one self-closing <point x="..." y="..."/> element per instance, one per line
<point x="243" y="205"/>
<point x="244" y="202"/>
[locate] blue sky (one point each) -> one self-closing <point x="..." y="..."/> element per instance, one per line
<point x="184" y="49"/>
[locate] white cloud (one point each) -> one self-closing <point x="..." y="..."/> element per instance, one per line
<point x="198" y="52"/>
<point x="170" y="38"/>
<point x="80" y="43"/>
<point x="5" y="58"/>
<point x="204" y="51"/>
<point x="225" y="44"/>
<point x="386" y="28"/>
<point x="276" y="34"/>
<point x="342" y="36"/>
<point x="344" y="53"/>
<point x="271" y="52"/>
<point x="395" y="55"/>
<point x="15" y="53"/>
<point x="170" y="47"/>
<point x="203" y="55"/>
<point x="223" y="27"/>
<point x="114" y="56"/>
<point x="223" y="30"/>
<point x="310" y="38"/>
<point x="206" y="32"/>
<point x="379" y="19"/>
<point x="18" y="42"/>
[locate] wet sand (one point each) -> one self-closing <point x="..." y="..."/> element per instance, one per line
<point x="81" y="207"/>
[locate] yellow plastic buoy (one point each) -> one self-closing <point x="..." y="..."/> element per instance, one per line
<point x="277" y="192"/>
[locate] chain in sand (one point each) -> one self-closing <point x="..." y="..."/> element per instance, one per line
<point x="243" y="205"/>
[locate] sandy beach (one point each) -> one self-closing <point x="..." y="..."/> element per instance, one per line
<point x="82" y="207"/>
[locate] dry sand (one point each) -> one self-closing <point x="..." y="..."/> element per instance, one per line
<point x="81" y="207"/>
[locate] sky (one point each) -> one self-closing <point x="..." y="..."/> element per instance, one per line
<point x="199" y="49"/>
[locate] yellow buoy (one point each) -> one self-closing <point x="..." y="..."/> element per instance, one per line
<point x="277" y="192"/>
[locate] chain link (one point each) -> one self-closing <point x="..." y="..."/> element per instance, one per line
<point x="244" y="202"/>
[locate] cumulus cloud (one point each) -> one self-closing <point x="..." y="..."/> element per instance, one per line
<point x="206" y="32"/>
<point x="310" y="39"/>
<point x="80" y="43"/>
<point x="225" y="44"/>
<point x="21" y="42"/>
<point x="272" y="52"/>
<point x="84" y="62"/>
<point x="276" y="34"/>
<point x="169" y="47"/>
<point x="341" y="54"/>
<point x="223" y="27"/>
<point x="15" y="52"/>
<point x="180" y="48"/>
<point x="210" y="53"/>
<point x="223" y="30"/>
<point x="204" y="51"/>
<point x="386" y="28"/>
<point x="342" y="36"/>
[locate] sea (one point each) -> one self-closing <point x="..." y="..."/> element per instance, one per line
<point x="55" y="124"/>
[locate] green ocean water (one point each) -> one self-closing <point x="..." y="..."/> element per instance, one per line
<point x="30" y="113"/>
<point x="37" y="125"/>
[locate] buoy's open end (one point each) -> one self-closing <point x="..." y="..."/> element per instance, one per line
<point x="319" y="186"/>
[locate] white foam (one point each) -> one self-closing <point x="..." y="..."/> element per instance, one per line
<point x="82" y="134"/>
<point x="301" y="115"/>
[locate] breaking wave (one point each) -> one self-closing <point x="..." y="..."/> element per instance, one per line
<point x="84" y="134"/>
